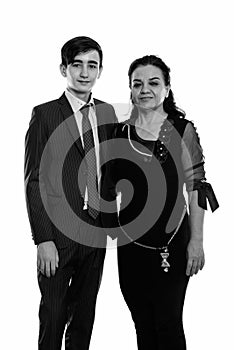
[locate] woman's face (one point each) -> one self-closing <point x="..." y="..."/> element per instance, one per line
<point x="148" y="88"/>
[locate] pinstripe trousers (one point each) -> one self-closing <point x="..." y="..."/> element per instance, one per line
<point x="68" y="298"/>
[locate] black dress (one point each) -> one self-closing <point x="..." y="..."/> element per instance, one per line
<point x="154" y="226"/>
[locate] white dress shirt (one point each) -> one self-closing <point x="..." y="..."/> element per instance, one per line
<point x="76" y="105"/>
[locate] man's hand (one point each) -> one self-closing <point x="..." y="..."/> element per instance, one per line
<point x="196" y="257"/>
<point x="47" y="258"/>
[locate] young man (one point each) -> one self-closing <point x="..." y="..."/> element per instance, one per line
<point x="64" y="180"/>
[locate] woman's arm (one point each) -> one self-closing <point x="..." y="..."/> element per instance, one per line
<point x="198" y="192"/>
<point x="195" y="251"/>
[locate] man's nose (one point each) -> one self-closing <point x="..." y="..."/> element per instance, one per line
<point x="84" y="72"/>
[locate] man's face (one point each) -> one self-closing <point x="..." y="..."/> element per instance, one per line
<point x="82" y="73"/>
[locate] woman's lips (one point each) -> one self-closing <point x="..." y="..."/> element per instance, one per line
<point x="145" y="98"/>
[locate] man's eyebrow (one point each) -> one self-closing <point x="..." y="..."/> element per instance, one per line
<point x="93" y="62"/>
<point x="90" y="61"/>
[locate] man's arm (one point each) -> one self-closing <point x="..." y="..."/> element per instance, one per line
<point x="110" y="219"/>
<point x="41" y="226"/>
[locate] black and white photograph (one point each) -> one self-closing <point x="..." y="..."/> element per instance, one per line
<point x="116" y="175"/>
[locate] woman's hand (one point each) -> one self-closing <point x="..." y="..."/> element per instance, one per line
<point x="196" y="257"/>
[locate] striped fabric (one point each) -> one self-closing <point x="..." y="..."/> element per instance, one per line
<point x="53" y="159"/>
<point x="46" y="118"/>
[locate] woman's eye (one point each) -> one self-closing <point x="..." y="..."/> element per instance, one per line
<point x="136" y="85"/>
<point x="154" y="83"/>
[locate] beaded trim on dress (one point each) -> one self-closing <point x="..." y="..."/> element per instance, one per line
<point x="161" y="144"/>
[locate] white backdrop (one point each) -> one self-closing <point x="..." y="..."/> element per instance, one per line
<point x="194" y="39"/>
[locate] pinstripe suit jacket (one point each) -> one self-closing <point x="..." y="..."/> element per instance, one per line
<point x="53" y="160"/>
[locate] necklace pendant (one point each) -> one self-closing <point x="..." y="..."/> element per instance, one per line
<point x="165" y="264"/>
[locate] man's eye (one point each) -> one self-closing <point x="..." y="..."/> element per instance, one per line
<point x="76" y="65"/>
<point x="92" y="66"/>
<point x="136" y="85"/>
<point x="154" y="83"/>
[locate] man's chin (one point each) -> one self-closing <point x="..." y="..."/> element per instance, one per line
<point x="84" y="90"/>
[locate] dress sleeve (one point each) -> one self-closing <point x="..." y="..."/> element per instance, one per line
<point x="193" y="164"/>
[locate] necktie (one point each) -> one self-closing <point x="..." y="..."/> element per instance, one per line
<point x="90" y="157"/>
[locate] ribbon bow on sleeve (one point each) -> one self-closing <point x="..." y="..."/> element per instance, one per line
<point x="205" y="191"/>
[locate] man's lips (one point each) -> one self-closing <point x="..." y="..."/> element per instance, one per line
<point x="84" y="81"/>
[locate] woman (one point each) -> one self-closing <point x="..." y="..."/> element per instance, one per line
<point x="160" y="152"/>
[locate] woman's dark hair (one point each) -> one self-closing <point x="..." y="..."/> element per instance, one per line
<point x="169" y="104"/>
<point x="78" y="45"/>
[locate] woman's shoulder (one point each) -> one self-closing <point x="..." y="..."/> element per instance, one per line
<point x="185" y="127"/>
<point x="179" y="122"/>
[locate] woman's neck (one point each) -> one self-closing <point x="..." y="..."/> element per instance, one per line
<point x="148" y="124"/>
<point x="150" y="118"/>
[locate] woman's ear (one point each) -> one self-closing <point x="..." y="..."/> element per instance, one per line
<point x="168" y="91"/>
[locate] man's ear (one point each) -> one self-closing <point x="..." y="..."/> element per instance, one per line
<point x="100" y="72"/>
<point x="63" y="70"/>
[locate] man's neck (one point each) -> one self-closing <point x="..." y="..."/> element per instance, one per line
<point x="85" y="97"/>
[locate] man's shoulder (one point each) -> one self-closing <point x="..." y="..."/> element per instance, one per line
<point x="50" y="111"/>
<point x="47" y="105"/>
<point x="105" y="112"/>
<point x="98" y="102"/>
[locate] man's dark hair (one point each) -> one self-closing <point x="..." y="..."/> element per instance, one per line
<point x="79" y="45"/>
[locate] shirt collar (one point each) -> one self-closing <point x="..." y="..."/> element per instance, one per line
<point x="76" y="103"/>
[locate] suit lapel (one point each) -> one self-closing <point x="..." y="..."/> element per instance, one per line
<point x="101" y="128"/>
<point x="70" y="121"/>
